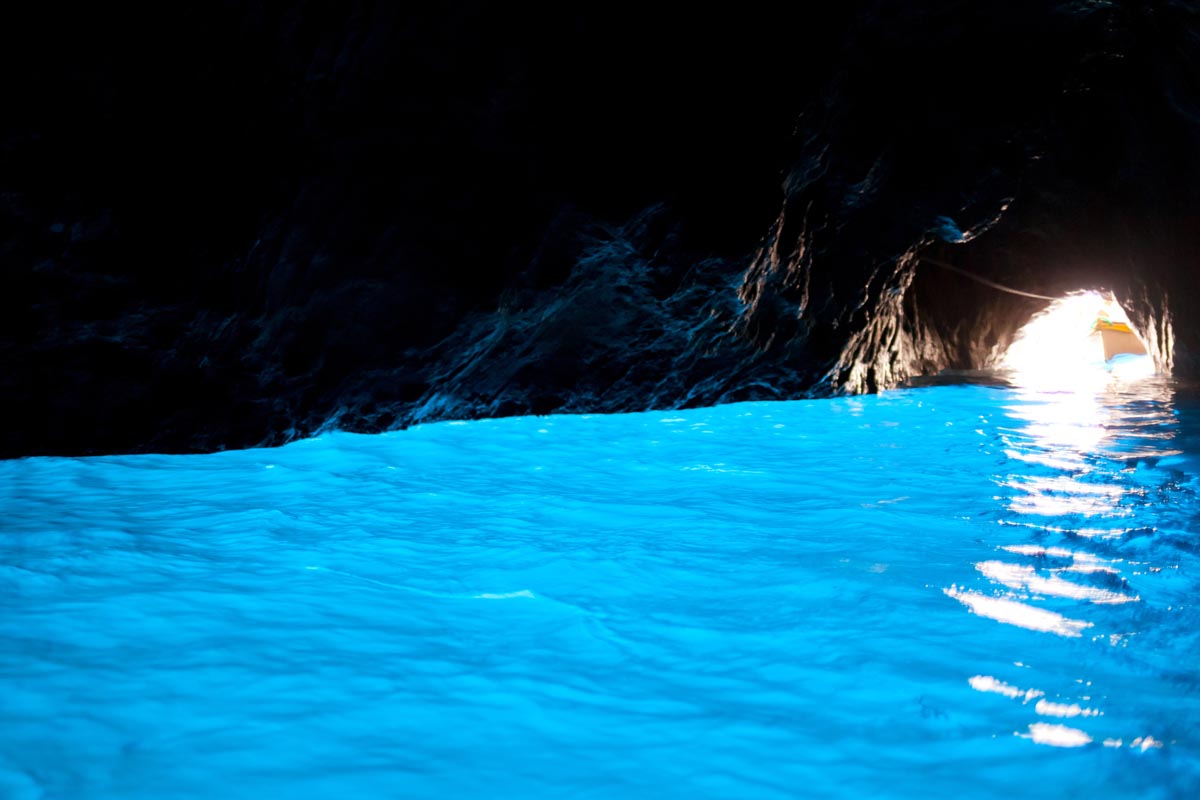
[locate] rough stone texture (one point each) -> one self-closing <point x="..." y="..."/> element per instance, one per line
<point x="1055" y="153"/>
<point x="266" y="219"/>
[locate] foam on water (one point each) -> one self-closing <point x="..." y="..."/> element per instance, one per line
<point x="970" y="590"/>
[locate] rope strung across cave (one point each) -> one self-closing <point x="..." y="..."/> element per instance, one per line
<point x="985" y="281"/>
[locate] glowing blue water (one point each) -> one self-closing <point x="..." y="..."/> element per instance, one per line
<point x="962" y="590"/>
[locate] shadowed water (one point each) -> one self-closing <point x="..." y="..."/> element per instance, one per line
<point x="973" y="590"/>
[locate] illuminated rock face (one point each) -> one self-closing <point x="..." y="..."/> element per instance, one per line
<point x="262" y="222"/>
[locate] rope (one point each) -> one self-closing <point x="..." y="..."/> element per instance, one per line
<point x="985" y="281"/>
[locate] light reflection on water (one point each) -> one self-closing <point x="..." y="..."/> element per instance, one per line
<point x="957" y="590"/>
<point x="1082" y="465"/>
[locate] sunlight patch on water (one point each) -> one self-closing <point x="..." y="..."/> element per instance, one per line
<point x="1048" y="709"/>
<point x="1022" y="577"/>
<point x="1021" y="615"/>
<point x="1057" y="735"/>
<point x="986" y="683"/>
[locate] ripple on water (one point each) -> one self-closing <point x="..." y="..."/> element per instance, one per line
<point x="966" y="590"/>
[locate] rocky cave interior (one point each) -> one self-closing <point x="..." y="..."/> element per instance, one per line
<point x="264" y="220"/>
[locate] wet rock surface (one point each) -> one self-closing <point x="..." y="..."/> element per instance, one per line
<point x="265" y="220"/>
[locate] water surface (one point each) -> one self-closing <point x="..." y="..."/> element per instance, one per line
<point x="961" y="589"/>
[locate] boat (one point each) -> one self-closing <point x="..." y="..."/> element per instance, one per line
<point x="1117" y="338"/>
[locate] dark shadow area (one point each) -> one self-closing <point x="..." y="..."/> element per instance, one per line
<point x="257" y="220"/>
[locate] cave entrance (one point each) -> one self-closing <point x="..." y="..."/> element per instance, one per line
<point x="1079" y="340"/>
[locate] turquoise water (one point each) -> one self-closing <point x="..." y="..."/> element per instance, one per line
<point x="965" y="590"/>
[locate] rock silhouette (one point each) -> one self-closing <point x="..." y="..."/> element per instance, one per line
<point x="262" y="220"/>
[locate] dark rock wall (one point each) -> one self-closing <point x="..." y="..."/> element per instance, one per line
<point x="244" y="222"/>
<point x="1056" y="152"/>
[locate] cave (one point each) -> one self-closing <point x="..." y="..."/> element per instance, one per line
<point x="590" y="400"/>
<point x="490" y="213"/>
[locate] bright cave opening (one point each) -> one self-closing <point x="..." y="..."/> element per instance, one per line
<point x="1079" y="341"/>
